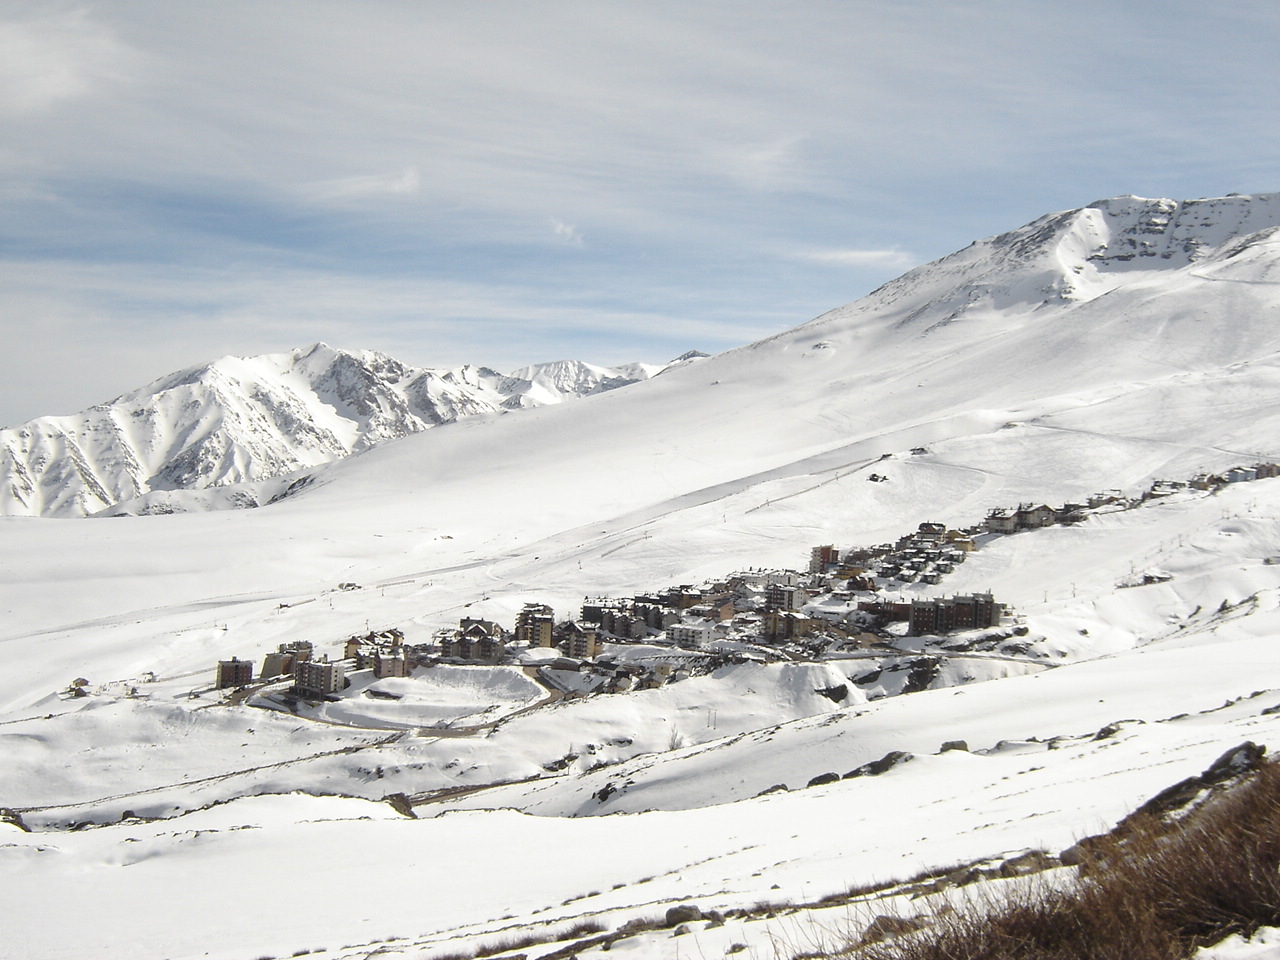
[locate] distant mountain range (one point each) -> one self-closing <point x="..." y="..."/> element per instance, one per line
<point x="255" y="418"/>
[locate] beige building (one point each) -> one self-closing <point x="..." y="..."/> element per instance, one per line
<point x="480" y="641"/>
<point x="580" y="641"/>
<point x="535" y="625"/>
<point x="318" y="678"/>
<point x="391" y="665"/>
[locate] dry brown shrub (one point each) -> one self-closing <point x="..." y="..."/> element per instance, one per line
<point x="1153" y="890"/>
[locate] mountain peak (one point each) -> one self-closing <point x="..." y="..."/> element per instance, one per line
<point x="1069" y="257"/>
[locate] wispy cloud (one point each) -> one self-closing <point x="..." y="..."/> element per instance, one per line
<point x="859" y="258"/>
<point x="566" y="232"/>
<point x="70" y="316"/>
<point x="772" y="165"/>
<point x="53" y="57"/>
<point x="407" y="182"/>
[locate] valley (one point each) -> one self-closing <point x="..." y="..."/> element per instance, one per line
<point x="419" y="816"/>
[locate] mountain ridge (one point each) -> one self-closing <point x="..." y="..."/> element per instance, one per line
<point x="245" y="419"/>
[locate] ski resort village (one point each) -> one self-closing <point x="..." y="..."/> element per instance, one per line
<point x="873" y="611"/>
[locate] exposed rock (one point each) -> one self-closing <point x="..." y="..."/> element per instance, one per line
<point x="954" y="745"/>
<point x="1233" y="763"/>
<point x="921" y="673"/>
<point x="822" y="778"/>
<point x="401" y="805"/>
<point x="836" y="694"/>
<point x="1111" y="729"/>
<point x="1078" y="853"/>
<point x="776" y="788"/>
<point x="964" y="876"/>
<point x="1033" y="861"/>
<point x="682" y="913"/>
<point x="876" y="767"/>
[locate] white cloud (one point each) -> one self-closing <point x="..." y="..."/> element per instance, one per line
<point x="405" y="183"/>
<point x="55" y="57"/>
<point x="59" y="320"/>
<point x="566" y="232"/>
<point x="859" y="258"/>
<point x="773" y="165"/>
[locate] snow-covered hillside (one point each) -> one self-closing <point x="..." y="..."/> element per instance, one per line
<point x="1098" y="348"/>
<point x="243" y="419"/>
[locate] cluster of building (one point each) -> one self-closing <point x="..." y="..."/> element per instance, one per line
<point x="751" y="605"/>
<point x="1214" y="481"/>
<point x="384" y="652"/>
<point x="768" y="606"/>
<point x="484" y="641"/>
<point x="473" y="640"/>
<point x="643" y="615"/>
<point x="315" y="678"/>
<point x="924" y="556"/>
<point x="1032" y="516"/>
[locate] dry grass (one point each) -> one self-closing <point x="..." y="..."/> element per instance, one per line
<point x="509" y="944"/>
<point x="1151" y="890"/>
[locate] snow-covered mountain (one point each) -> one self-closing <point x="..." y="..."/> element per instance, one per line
<point x="253" y="418"/>
<point x="543" y="383"/>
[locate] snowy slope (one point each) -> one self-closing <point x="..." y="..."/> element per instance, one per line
<point x="1052" y="756"/>
<point x="252" y="418"/>
<point x="994" y="375"/>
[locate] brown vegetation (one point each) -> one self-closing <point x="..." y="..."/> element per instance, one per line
<point x="1158" y="887"/>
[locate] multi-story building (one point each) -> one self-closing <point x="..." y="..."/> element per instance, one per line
<point x="234" y="673"/>
<point x="535" y="624"/>
<point x="277" y="665"/>
<point x="391" y="665"/>
<point x="481" y="641"/>
<point x="692" y="633"/>
<point x="932" y="617"/>
<point x="580" y="641"/>
<point x="281" y="663"/>
<point x="1000" y="520"/>
<point x="301" y="649"/>
<point x="822" y="557"/>
<point x="318" y="678"/>
<point x="781" y="596"/>
<point x="788" y="625"/>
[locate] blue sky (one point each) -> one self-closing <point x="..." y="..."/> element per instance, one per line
<point x="510" y="182"/>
